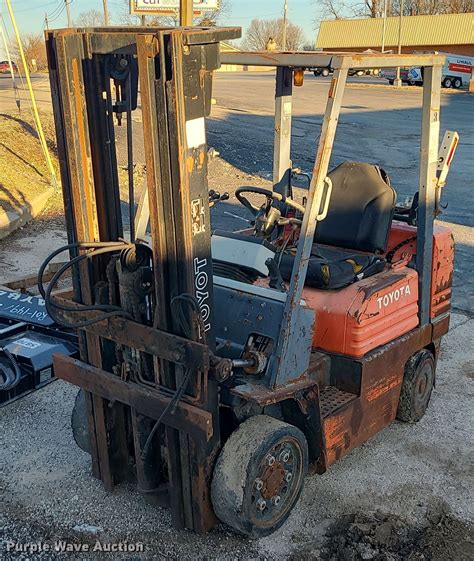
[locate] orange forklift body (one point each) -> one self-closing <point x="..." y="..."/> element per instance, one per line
<point x="356" y="319"/>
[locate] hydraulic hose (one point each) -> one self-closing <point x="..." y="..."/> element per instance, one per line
<point x="10" y="381"/>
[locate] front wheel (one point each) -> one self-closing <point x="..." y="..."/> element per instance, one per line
<point x="259" y="475"/>
<point x="325" y="72"/>
<point x="418" y="382"/>
<point x="447" y="83"/>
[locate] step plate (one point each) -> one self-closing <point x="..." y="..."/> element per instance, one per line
<point x="332" y="399"/>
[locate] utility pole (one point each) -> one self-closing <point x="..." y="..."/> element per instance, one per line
<point x="384" y="24"/>
<point x="68" y="12"/>
<point x="46" y="23"/>
<point x="397" y="81"/>
<point x="106" y="13"/>
<point x="10" y="65"/>
<point x="186" y="13"/>
<point x="285" y="25"/>
<point x="39" y="127"/>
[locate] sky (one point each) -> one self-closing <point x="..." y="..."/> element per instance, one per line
<point x="30" y="13"/>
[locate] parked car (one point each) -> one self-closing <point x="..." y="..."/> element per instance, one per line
<point x="410" y="76"/>
<point x="5" y="67"/>
<point x="325" y="71"/>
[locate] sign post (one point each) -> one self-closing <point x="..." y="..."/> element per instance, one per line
<point x="186" y="13"/>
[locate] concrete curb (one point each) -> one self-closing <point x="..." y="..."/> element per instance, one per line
<point x="11" y="220"/>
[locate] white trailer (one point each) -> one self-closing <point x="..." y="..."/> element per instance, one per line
<point x="456" y="72"/>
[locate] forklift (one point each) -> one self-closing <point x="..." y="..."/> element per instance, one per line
<point x="218" y="369"/>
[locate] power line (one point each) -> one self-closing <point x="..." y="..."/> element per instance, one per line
<point x="58" y="15"/>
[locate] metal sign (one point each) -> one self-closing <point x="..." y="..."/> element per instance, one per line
<point x="170" y="7"/>
<point x="22" y="307"/>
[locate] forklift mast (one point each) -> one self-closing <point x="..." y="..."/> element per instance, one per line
<point x="94" y="78"/>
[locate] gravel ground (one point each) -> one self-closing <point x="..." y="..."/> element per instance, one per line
<point x="413" y="474"/>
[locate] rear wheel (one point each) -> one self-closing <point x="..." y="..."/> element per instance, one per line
<point x="447" y="83"/>
<point x="418" y="382"/>
<point x="317" y="72"/>
<point x="325" y="72"/>
<point x="457" y="83"/>
<point x="259" y="475"/>
<point x="79" y="425"/>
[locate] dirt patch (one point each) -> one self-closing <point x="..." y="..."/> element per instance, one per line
<point x="384" y="537"/>
<point x="23" y="171"/>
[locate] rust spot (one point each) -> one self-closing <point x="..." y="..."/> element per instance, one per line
<point x="383" y="387"/>
<point x="273" y="478"/>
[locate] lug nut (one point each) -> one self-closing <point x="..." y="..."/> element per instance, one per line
<point x="288" y="476"/>
<point x="270" y="459"/>
<point x="261" y="505"/>
<point x="258" y="484"/>
<point x="276" y="500"/>
<point x="284" y="456"/>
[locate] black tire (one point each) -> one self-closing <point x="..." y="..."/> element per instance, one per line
<point x="317" y="72"/>
<point x="391" y="82"/>
<point x="79" y="425"/>
<point x="457" y="83"/>
<point x="325" y="72"/>
<point x="418" y="382"/>
<point x="250" y="494"/>
<point x="447" y="83"/>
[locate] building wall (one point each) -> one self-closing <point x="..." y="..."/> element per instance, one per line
<point x="467" y="50"/>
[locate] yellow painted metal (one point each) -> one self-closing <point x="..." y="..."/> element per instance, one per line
<point x="186" y="12"/>
<point x="445" y="29"/>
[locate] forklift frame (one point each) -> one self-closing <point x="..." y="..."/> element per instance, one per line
<point x="175" y="69"/>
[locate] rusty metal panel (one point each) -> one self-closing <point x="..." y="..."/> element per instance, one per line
<point x="381" y="379"/>
<point x="186" y="417"/>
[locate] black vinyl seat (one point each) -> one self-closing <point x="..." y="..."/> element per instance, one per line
<point x="350" y="240"/>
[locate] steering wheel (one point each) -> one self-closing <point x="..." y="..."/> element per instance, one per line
<point x="270" y="195"/>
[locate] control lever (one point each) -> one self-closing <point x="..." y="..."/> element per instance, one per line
<point x="215" y="197"/>
<point x="297" y="172"/>
<point x="276" y="280"/>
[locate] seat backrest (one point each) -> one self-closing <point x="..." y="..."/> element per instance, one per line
<point x="360" y="210"/>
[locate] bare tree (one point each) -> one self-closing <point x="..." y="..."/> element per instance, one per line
<point x="91" y="18"/>
<point x="34" y="49"/>
<point x="333" y="8"/>
<point x="339" y="9"/>
<point x="260" y="32"/>
<point x="421" y="7"/>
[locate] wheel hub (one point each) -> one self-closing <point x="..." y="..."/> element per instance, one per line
<point x="273" y="479"/>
